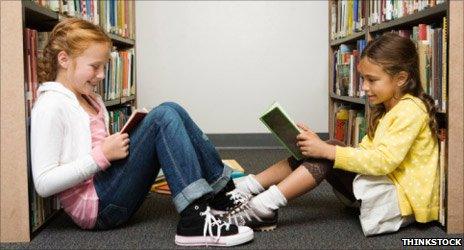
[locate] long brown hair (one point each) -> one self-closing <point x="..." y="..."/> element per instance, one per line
<point x="395" y="54"/>
<point x="72" y="35"/>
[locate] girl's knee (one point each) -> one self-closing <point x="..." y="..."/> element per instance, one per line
<point x="172" y="105"/>
<point x="163" y="114"/>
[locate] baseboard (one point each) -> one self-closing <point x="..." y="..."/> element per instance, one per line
<point x="249" y="140"/>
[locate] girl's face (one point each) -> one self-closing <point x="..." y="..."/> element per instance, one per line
<point x="380" y="87"/>
<point x="88" y="69"/>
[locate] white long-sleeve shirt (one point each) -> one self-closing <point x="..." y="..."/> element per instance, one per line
<point x="63" y="160"/>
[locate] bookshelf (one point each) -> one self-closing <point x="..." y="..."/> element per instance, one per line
<point x="16" y="16"/>
<point x="452" y="113"/>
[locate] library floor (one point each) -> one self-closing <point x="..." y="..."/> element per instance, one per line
<point x="316" y="220"/>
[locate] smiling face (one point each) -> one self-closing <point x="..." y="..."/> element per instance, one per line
<point x="83" y="72"/>
<point x="380" y="87"/>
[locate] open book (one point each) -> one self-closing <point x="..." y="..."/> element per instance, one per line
<point x="283" y="128"/>
<point x="134" y="120"/>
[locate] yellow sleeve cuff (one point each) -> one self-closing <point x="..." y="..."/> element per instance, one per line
<point x="341" y="157"/>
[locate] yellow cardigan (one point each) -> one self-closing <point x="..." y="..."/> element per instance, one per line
<point x="403" y="149"/>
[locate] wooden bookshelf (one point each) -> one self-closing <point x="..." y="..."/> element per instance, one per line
<point x="118" y="101"/>
<point x="15" y="179"/>
<point x="350" y="38"/>
<point x="121" y="42"/>
<point x="455" y="209"/>
<point x="348" y="99"/>
<point x="453" y="116"/>
<point x="14" y="208"/>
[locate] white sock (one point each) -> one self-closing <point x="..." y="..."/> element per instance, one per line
<point x="249" y="185"/>
<point x="266" y="202"/>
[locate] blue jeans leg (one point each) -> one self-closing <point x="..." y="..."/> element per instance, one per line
<point x="212" y="167"/>
<point x="161" y="140"/>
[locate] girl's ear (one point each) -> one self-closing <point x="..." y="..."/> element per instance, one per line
<point x="401" y="78"/>
<point x="63" y="59"/>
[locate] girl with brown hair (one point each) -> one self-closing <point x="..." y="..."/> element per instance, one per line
<point x="392" y="176"/>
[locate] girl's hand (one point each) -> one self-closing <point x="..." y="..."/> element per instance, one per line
<point x="116" y="146"/>
<point x="312" y="146"/>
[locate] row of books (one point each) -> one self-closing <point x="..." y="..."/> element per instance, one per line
<point x="114" y="16"/>
<point x="40" y="208"/>
<point x="34" y="44"/>
<point x="350" y="16"/>
<point x="431" y="41"/>
<point x="118" y="117"/>
<point x="350" y="125"/>
<point x="386" y="10"/>
<point x="347" y="81"/>
<point x="347" y="17"/>
<point x="119" y="76"/>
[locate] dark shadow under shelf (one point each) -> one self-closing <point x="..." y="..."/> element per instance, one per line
<point x="349" y="99"/>
<point x="38" y="17"/>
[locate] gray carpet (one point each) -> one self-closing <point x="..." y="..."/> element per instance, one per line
<point x="316" y="221"/>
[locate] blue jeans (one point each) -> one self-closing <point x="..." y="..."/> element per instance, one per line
<point x="167" y="138"/>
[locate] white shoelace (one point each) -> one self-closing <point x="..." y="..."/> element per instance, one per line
<point x="238" y="196"/>
<point x="211" y="221"/>
<point x="242" y="212"/>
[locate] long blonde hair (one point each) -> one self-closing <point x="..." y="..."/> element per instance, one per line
<point x="395" y="54"/>
<point x="73" y="36"/>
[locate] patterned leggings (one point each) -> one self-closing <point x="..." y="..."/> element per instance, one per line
<point x="321" y="169"/>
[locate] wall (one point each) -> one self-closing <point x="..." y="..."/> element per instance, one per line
<point x="226" y="62"/>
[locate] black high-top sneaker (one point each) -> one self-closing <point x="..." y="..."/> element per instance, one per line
<point x="228" y="198"/>
<point x="199" y="227"/>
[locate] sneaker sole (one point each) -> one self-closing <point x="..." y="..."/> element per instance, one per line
<point x="265" y="228"/>
<point x="223" y="241"/>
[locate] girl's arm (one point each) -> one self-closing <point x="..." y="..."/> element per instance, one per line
<point x="389" y="151"/>
<point x="50" y="175"/>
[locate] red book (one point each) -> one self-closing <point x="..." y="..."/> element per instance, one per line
<point x="134" y="120"/>
<point x="422" y="32"/>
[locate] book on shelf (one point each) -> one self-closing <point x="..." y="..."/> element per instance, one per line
<point x="347" y="17"/>
<point x="283" y="128"/>
<point x="346" y="78"/>
<point x="350" y="125"/>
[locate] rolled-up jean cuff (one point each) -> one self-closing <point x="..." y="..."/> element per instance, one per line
<point x="192" y="192"/>
<point x="221" y="182"/>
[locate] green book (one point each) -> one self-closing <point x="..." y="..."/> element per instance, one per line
<point x="283" y="128"/>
